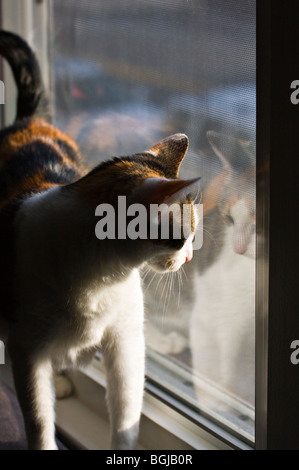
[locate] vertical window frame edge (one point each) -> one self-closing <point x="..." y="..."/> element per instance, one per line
<point x="277" y="381"/>
<point x="263" y="205"/>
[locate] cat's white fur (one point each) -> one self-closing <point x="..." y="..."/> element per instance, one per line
<point x="68" y="308"/>
<point x="96" y="315"/>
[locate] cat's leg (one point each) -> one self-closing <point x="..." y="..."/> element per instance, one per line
<point x="124" y="362"/>
<point x="33" y="381"/>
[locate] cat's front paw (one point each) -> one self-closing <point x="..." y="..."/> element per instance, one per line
<point x="63" y="386"/>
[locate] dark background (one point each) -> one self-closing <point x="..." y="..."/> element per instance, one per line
<point x="278" y="124"/>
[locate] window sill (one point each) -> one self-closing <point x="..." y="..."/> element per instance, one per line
<point x="83" y="420"/>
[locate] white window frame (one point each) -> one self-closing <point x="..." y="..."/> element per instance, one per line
<point x="162" y="426"/>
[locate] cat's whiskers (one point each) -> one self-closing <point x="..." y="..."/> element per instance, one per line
<point x="172" y="280"/>
<point x="164" y="289"/>
<point x="168" y="286"/>
<point x="151" y="281"/>
<point x="165" y="278"/>
<point x="159" y="282"/>
<point x="180" y="285"/>
<point x="183" y="271"/>
<point x="145" y="273"/>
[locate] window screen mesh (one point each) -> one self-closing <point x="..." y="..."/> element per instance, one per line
<point x="127" y="73"/>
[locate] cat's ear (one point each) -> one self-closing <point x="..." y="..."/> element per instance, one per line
<point x="170" y="153"/>
<point x="234" y="153"/>
<point x="164" y="191"/>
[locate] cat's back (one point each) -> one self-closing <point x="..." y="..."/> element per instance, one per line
<point x="35" y="156"/>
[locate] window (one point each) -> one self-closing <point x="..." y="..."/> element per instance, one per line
<point x="277" y="379"/>
<point x="127" y="73"/>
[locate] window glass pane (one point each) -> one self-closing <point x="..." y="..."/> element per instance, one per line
<point x="127" y="73"/>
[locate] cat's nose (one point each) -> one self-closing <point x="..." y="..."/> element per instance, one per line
<point x="189" y="258"/>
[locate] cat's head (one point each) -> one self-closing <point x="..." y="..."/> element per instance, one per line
<point x="150" y="179"/>
<point x="237" y="202"/>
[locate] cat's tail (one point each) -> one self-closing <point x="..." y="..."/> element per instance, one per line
<point x="32" y="98"/>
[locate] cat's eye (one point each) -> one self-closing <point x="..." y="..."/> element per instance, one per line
<point x="229" y="219"/>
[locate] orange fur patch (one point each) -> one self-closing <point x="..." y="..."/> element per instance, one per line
<point x="37" y="130"/>
<point x="118" y="179"/>
<point x="213" y="191"/>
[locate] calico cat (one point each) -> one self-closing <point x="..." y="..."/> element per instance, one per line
<point x="65" y="293"/>
<point x="222" y="321"/>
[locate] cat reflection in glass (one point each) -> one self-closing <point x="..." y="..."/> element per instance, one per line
<point x="211" y="325"/>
